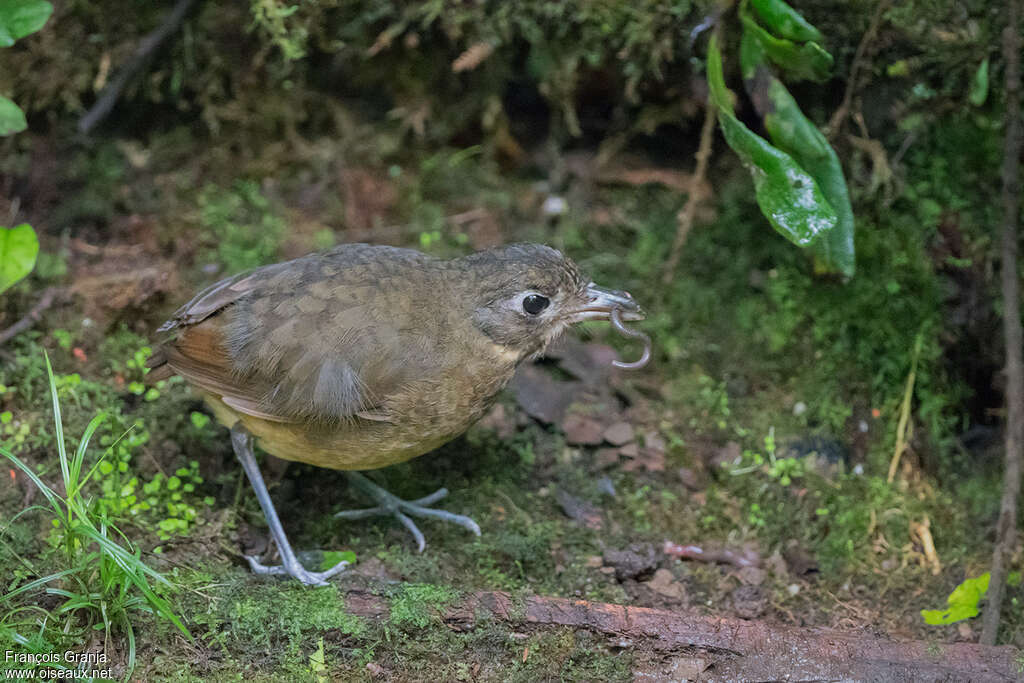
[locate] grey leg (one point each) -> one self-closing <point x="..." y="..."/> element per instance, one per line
<point x="241" y="440"/>
<point x="389" y="504"/>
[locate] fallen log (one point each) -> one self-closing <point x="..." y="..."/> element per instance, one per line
<point x="736" y="649"/>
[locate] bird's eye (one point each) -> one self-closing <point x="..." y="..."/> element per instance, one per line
<point x="535" y="303"/>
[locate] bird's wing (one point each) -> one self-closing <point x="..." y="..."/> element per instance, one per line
<point x="321" y="338"/>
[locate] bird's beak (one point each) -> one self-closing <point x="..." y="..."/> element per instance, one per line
<point x="601" y="301"/>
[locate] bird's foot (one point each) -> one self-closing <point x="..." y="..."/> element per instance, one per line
<point x="296" y="570"/>
<point x="402" y="510"/>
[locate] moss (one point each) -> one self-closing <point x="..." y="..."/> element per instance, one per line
<point x="418" y="604"/>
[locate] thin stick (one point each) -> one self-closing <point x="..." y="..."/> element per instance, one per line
<point x="840" y="114"/>
<point x="901" y="426"/>
<point x="689" y="212"/>
<point x="1006" y="530"/>
<point x="108" y="98"/>
<point x="49" y="296"/>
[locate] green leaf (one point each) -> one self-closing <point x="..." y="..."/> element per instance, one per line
<point x="18" y="250"/>
<point x="333" y="557"/>
<point x="963" y="602"/>
<point x="18" y="18"/>
<point x="796" y="135"/>
<point x="788" y="196"/>
<point x="12" y="118"/>
<point x="979" y="85"/>
<point x="808" y="61"/>
<point x="785" y="21"/>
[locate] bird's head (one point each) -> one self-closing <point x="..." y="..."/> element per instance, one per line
<point x="526" y="295"/>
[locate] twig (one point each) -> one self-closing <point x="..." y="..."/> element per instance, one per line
<point x="840" y="114"/>
<point x="108" y="98"/>
<point x="901" y="426"/>
<point x="689" y="212"/>
<point x="1006" y="530"/>
<point x="50" y="295"/>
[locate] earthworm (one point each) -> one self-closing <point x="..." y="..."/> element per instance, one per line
<point x="616" y="319"/>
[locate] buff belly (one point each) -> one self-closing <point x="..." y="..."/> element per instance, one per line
<point x="347" y="445"/>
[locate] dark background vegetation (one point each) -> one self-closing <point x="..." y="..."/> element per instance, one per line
<point x="257" y="134"/>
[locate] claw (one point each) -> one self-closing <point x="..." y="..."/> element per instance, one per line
<point x="403" y="510"/>
<point x="296" y="571"/>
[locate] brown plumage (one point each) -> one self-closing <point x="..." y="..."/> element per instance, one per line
<point x="365" y="356"/>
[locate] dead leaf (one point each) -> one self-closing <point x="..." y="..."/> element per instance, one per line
<point x="472" y="57"/>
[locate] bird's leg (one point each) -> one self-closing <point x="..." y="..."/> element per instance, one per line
<point x="389" y="504"/>
<point x="241" y="440"/>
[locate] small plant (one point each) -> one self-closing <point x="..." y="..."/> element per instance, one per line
<point x="784" y="470"/>
<point x="103" y="580"/>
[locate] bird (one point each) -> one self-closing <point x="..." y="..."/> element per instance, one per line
<point x="364" y="356"/>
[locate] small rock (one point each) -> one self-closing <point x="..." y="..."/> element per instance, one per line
<point x="655" y="442"/>
<point x="594" y="561"/>
<point x="793" y="588"/>
<point x="799" y="408"/>
<point x="664" y="583"/>
<point x="582" y="431"/>
<point x="619" y="434"/>
<point x="635" y="562"/>
<point x="690" y="478"/>
<point x="606" y="457"/>
<point x="965" y="630"/>
<point x="605" y="486"/>
<point x="630" y="450"/>
<point x="542" y="396"/>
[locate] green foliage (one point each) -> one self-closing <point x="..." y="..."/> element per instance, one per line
<point x="18" y="18"/>
<point x="104" y="581"/>
<point x="789" y="197"/>
<point x="18" y="250"/>
<point x="798" y="178"/>
<point x="244" y="231"/>
<point x="963" y="602"/>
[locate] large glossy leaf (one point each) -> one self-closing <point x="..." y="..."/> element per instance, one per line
<point x="18" y="18"/>
<point x="784" y="21"/>
<point x="807" y="61"/>
<point x="12" y="119"/>
<point x="18" y="250"/>
<point x="795" y="134"/>
<point x="788" y="196"/>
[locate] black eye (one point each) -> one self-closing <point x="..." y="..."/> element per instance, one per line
<point x="535" y="303"/>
